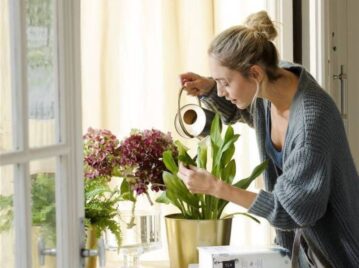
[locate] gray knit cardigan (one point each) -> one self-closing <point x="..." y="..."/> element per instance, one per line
<point x="318" y="190"/>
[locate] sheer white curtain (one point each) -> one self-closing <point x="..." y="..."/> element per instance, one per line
<point x="132" y="54"/>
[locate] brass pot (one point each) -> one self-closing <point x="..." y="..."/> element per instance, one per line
<point x="184" y="236"/>
<point x="91" y="243"/>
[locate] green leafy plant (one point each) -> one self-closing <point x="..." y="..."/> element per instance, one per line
<point x="222" y="166"/>
<point x="101" y="204"/>
<point x="6" y="212"/>
<point x="42" y="206"/>
<point x="101" y="163"/>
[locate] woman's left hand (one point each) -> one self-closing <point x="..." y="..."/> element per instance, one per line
<point x="198" y="180"/>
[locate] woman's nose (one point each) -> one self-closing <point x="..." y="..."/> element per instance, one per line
<point x="220" y="91"/>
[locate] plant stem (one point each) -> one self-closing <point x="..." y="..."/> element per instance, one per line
<point x="149" y="199"/>
<point x="132" y="221"/>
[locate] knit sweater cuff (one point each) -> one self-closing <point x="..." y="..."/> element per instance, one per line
<point x="212" y="94"/>
<point x="263" y="204"/>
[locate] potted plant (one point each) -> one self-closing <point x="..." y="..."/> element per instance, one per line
<point x="201" y="221"/>
<point x="141" y="165"/>
<point x="101" y="163"/>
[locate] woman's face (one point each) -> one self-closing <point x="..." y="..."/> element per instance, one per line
<point x="232" y="84"/>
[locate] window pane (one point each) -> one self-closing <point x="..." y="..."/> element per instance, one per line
<point x="7" y="238"/>
<point x="6" y="141"/>
<point x="43" y="209"/>
<point x="41" y="71"/>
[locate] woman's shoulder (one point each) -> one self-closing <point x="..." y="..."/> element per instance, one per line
<point x="314" y="100"/>
<point x="315" y="114"/>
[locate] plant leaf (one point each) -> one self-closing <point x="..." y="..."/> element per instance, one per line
<point x="216" y="130"/>
<point x="202" y="155"/>
<point x="170" y="162"/>
<point x="187" y="160"/>
<point x="175" y="186"/>
<point x="229" y="133"/>
<point x="126" y="192"/>
<point x="229" y="172"/>
<point x="163" y="198"/>
<point x="228" y="155"/>
<point x="100" y="190"/>
<point x="183" y="156"/>
<point x="181" y="147"/>
<point x="243" y="184"/>
<point x="218" y="159"/>
<point x="242" y="213"/>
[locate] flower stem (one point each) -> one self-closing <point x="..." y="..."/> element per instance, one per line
<point x="132" y="221"/>
<point x="149" y="199"/>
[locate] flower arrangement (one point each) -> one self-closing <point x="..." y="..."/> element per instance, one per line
<point x="101" y="163"/>
<point x="141" y="160"/>
<point x="221" y="165"/>
<point x="101" y="153"/>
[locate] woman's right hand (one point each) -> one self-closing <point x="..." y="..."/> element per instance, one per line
<point x="196" y="85"/>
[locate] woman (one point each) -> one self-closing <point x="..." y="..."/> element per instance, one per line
<point x="311" y="191"/>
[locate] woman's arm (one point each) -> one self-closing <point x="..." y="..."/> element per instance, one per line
<point x="229" y="112"/>
<point x="235" y="195"/>
<point x="206" y="89"/>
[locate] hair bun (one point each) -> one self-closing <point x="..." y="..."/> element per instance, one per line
<point x="261" y="23"/>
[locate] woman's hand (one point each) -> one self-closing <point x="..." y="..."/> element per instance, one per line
<point x="196" y="85"/>
<point x="198" y="180"/>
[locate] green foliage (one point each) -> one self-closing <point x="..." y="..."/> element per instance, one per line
<point x="43" y="199"/>
<point x="40" y="12"/>
<point x="223" y="166"/>
<point x="101" y="203"/>
<point x="6" y="213"/>
<point x="42" y="206"/>
<point x="100" y="207"/>
<point x="41" y="15"/>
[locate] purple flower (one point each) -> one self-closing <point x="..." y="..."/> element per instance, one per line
<point x="141" y="159"/>
<point x="101" y="153"/>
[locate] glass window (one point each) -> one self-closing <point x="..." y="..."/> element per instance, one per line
<point x="7" y="238"/>
<point x="6" y="131"/>
<point x="41" y="72"/>
<point x="42" y="174"/>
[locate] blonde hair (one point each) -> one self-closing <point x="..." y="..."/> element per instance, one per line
<point x="241" y="47"/>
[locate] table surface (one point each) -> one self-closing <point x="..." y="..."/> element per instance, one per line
<point x="114" y="261"/>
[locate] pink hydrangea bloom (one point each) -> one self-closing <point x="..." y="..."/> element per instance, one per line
<point x="141" y="158"/>
<point x="101" y="153"/>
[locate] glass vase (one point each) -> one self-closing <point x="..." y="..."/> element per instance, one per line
<point x="141" y="232"/>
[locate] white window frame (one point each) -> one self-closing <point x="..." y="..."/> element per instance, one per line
<point x="319" y="41"/>
<point x="68" y="152"/>
<point x="282" y="11"/>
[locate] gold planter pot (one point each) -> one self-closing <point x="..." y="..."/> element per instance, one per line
<point x="91" y="243"/>
<point x="184" y="236"/>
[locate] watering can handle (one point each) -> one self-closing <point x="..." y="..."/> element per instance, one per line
<point x="179" y="113"/>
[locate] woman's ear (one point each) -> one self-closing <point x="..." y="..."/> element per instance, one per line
<point x="257" y="73"/>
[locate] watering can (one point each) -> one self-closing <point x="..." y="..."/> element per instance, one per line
<point x="192" y="120"/>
